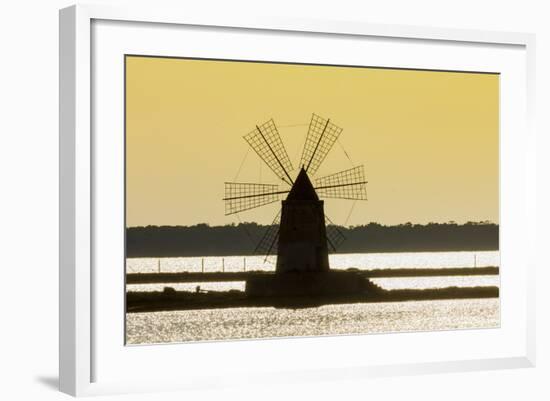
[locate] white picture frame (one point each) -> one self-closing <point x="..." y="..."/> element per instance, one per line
<point x="79" y="318"/>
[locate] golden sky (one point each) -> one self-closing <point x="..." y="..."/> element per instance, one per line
<point x="429" y="140"/>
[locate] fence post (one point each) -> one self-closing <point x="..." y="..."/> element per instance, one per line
<point x="159" y="265"/>
<point x="244" y="264"/>
<point x="223" y="265"/>
<point x="202" y="265"/>
<point x="475" y="259"/>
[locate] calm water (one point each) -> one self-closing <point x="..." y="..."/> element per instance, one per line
<point x="386" y="283"/>
<point x="237" y="323"/>
<point x="363" y="261"/>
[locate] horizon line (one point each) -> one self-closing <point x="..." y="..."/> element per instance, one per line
<point x="450" y="222"/>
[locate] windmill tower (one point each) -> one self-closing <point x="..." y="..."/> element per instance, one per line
<point x="302" y="244"/>
<point x="299" y="233"/>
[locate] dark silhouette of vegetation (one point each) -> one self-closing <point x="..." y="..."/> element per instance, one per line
<point x="241" y="239"/>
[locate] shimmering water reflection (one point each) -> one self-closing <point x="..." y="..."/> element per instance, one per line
<point x="363" y="261"/>
<point x="242" y="323"/>
<point x="386" y="283"/>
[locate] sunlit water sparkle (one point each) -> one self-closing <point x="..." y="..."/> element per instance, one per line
<point x="392" y="283"/>
<point x="363" y="261"/>
<point x="361" y="318"/>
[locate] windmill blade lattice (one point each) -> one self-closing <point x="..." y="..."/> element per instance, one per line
<point x="335" y="236"/>
<point x="319" y="140"/>
<point x="268" y="243"/>
<point x="267" y="143"/>
<point x="347" y="184"/>
<point x="245" y="196"/>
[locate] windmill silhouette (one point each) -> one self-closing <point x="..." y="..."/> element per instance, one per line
<point x="299" y="231"/>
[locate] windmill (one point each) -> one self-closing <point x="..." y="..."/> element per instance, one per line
<point x="299" y="232"/>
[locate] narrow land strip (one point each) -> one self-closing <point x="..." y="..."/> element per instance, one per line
<point x="192" y="277"/>
<point x="179" y="300"/>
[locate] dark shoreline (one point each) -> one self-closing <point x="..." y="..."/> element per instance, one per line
<point x="204" y="240"/>
<point x="170" y="299"/>
<point x="192" y="277"/>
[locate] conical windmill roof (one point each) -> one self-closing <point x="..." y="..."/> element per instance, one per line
<point x="302" y="189"/>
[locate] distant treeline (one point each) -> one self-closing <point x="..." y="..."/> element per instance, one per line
<point x="241" y="239"/>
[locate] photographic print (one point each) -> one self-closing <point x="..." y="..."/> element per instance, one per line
<point x="272" y="199"/>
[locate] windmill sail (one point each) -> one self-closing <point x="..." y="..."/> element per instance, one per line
<point x="267" y="143"/>
<point x="241" y="196"/>
<point x="268" y="244"/>
<point x="319" y="140"/>
<point x="335" y="236"/>
<point x="347" y="184"/>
